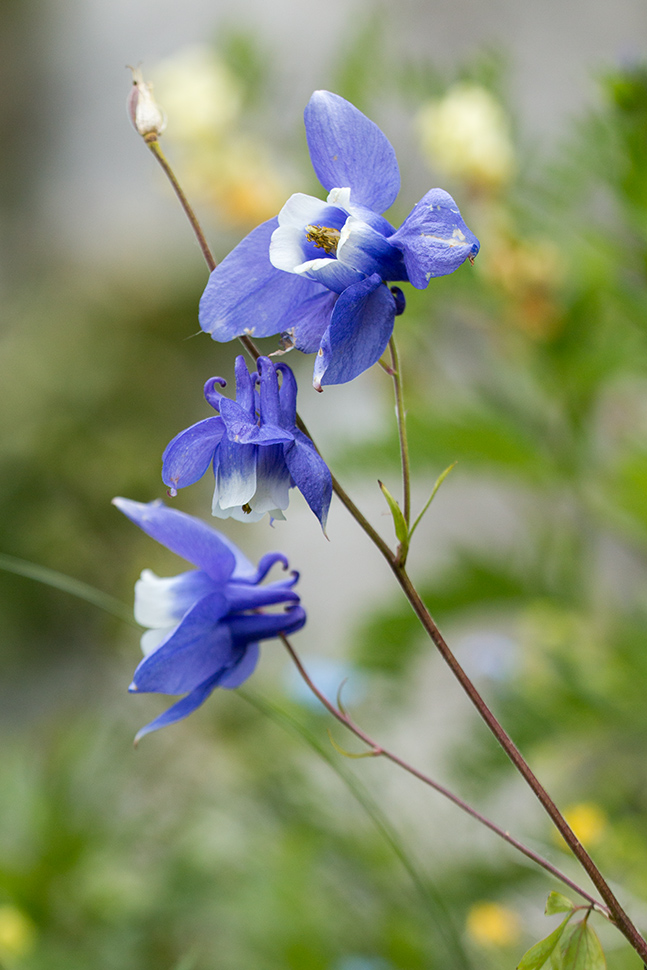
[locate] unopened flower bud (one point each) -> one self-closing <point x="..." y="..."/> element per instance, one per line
<point x="145" y="113"/>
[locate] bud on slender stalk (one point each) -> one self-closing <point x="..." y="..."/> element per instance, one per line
<point x="145" y="113"/>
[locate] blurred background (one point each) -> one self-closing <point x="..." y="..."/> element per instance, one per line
<point x="241" y="838"/>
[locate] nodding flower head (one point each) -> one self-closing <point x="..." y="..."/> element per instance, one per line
<point x="254" y="447"/>
<point x="204" y="625"/>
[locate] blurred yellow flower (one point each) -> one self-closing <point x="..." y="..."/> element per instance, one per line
<point x="466" y="135"/>
<point x="588" y="821"/>
<point x="493" y="925"/>
<point x="17" y="932"/>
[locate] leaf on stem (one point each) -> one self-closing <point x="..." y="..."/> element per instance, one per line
<point x="399" y="522"/>
<point x="372" y="753"/>
<point x="537" y="955"/>
<point x="556" y="903"/>
<point x="439" y="481"/>
<point x="579" y="949"/>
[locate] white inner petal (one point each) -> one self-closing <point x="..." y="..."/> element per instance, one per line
<point x="152" y="639"/>
<point x="155" y="602"/>
<point x="234" y="488"/>
<point x="339" y="197"/>
<point x="300" y="210"/>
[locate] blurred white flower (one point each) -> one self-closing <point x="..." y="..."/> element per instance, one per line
<point x="199" y="92"/>
<point x="219" y="164"/>
<point x="466" y="135"/>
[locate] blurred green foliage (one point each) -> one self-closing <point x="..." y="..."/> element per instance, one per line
<point x="213" y="849"/>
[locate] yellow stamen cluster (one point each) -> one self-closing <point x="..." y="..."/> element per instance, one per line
<point x="324" y="238"/>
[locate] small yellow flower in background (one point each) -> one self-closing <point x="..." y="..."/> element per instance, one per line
<point x="219" y="164"/>
<point x="466" y="135"/>
<point x="588" y="821"/>
<point x="493" y="925"/>
<point x="17" y="933"/>
<point x="528" y="273"/>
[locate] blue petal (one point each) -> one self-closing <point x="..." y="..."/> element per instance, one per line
<point x="213" y="396"/>
<point x="198" y="648"/>
<point x="236" y="477"/>
<point x="184" y="535"/>
<point x="347" y="149"/>
<point x="241" y="596"/>
<point x="305" y="326"/>
<point x="360" y="328"/>
<point x="243" y="669"/>
<point x="272" y="481"/>
<point x="246" y="294"/>
<point x="182" y="709"/>
<point x="264" y="626"/>
<point x="265" y="564"/>
<point x="310" y="475"/>
<point x="334" y="274"/>
<point x="434" y="239"/>
<point x="241" y="429"/>
<point x="269" y="392"/>
<point x="366" y="250"/>
<point x="161" y="602"/>
<point x="287" y="397"/>
<point x="187" y="457"/>
<point x="245" y="386"/>
<point x="245" y="570"/>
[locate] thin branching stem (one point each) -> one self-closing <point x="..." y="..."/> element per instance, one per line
<point x="379" y="751"/>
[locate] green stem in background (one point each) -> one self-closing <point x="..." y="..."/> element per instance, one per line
<point x="402" y="432"/>
<point x="431" y="899"/>
<point x="618" y="915"/>
<point x="83" y="591"/>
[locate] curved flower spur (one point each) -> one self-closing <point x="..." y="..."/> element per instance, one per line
<point x="256" y="450"/>
<point x="317" y="273"/>
<point x="205" y="624"/>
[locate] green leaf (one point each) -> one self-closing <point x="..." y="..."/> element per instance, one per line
<point x="540" y="952"/>
<point x="439" y="481"/>
<point x="580" y="949"/>
<point x="401" y="530"/>
<point x="556" y="903"/>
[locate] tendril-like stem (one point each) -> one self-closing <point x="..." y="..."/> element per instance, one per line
<point x="379" y="751"/>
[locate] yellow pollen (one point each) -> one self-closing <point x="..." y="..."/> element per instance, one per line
<point x="247" y="508"/>
<point x="324" y="238"/>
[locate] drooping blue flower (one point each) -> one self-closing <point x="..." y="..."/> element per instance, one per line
<point x="205" y="624"/>
<point x="254" y="446"/>
<point x="317" y="273"/>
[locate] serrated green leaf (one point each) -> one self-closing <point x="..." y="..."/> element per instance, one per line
<point x="400" y="525"/>
<point x="537" y="955"/>
<point x="556" y="903"/>
<point x="580" y="949"/>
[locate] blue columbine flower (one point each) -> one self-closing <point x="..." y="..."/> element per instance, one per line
<point x="255" y="447"/>
<point x="317" y="272"/>
<point x="204" y="625"/>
